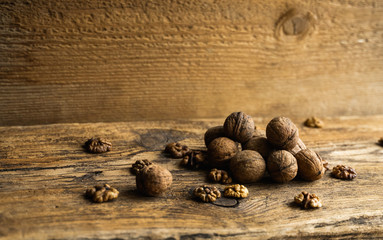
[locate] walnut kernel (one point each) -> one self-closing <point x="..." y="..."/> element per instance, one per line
<point x="206" y="193"/>
<point x="236" y="191"/>
<point x="344" y="172"/>
<point x="307" y="200"/>
<point x="177" y="150"/>
<point x="101" y="194"/>
<point x="139" y="165"/>
<point x="313" y="122"/>
<point x="194" y="160"/>
<point x="221" y="176"/>
<point x="97" y="145"/>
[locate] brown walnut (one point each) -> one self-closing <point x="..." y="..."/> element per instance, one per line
<point x="247" y="166"/>
<point x="213" y="133"/>
<point x="282" y="133"/>
<point x="153" y="180"/>
<point x="177" y="150"/>
<point x="139" y="165"/>
<point x="221" y="176"/>
<point x="259" y="144"/>
<point x="282" y="166"/>
<point x="310" y="165"/>
<point x="101" y="194"/>
<point x="220" y="151"/>
<point x="97" y="145"/>
<point x="239" y="127"/>
<point x="299" y="147"/>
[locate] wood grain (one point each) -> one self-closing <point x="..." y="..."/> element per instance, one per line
<point x="44" y="172"/>
<point x="92" y="61"/>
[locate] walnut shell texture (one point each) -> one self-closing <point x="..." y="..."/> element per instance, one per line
<point x="310" y="166"/>
<point x="247" y="166"/>
<point x="213" y="133"/>
<point x="239" y="126"/>
<point x="259" y="144"/>
<point x="282" y="166"/>
<point x="220" y="151"/>
<point x="153" y="180"/>
<point x="282" y="133"/>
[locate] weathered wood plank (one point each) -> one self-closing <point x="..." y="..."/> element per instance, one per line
<point x="92" y="61"/>
<point x="44" y="172"/>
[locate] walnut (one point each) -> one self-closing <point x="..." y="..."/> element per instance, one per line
<point x="299" y="147"/>
<point x="176" y="150"/>
<point x="222" y="176"/>
<point x="259" y="144"/>
<point x="247" y="166"/>
<point x="153" y="180"/>
<point x="206" y="193"/>
<point x="194" y="160"/>
<point x="307" y="200"/>
<point x="380" y="141"/>
<point x="239" y="127"/>
<point x="282" y="133"/>
<point x="344" y="172"/>
<point x="101" y="194"/>
<point x="236" y="191"/>
<point x="220" y="151"/>
<point x="139" y="165"/>
<point x="97" y="145"/>
<point x="213" y="133"/>
<point x="313" y="122"/>
<point x="259" y="133"/>
<point x="310" y="165"/>
<point x="282" y="166"/>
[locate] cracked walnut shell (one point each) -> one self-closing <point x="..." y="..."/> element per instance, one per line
<point x="221" y="176"/>
<point x="177" y="150"/>
<point x="239" y="127"/>
<point x="97" y="145"/>
<point x="344" y="172"/>
<point x="206" y="193"/>
<point x="236" y="191"/>
<point x="101" y="194"/>
<point x="307" y="200"/>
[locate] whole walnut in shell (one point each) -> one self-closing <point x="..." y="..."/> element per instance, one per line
<point x="259" y="144"/>
<point x="213" y="133"/>
<point x="247" y="166"/>
<point x="220" y="151"/>
<point x="239" y="127"/>
<point x="153" y="180"/>
<point x="282" y="166"/>
<point x="299" y="147"/>
<point x="282" y="133"/>
<point x="310" y="166"/>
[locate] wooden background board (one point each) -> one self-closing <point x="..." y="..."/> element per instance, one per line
<point x="92" y="61"/>
<point x="44" y="173"/>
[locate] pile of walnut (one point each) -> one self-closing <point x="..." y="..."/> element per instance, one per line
<point x="247" y="153"/>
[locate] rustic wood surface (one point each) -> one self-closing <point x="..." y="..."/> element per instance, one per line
<point x="44" y="172"/>
<point x="97" y="61"/>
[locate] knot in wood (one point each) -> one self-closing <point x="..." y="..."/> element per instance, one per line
<point x="295" y="25"/>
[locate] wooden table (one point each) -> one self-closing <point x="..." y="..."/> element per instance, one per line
<point x="44" y="172"/>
